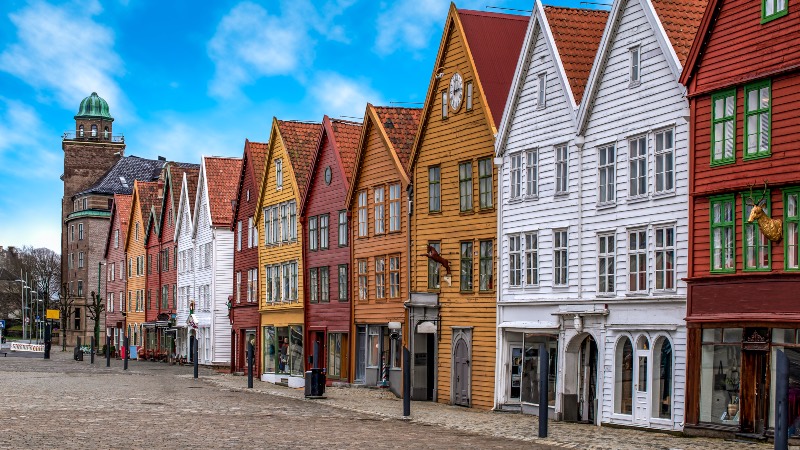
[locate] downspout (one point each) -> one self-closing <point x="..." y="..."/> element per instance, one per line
<point x="409" y="325"/>
<point x="579" y="143"/>
<point x="498" y="162"/>
<point x="306" y="290"/>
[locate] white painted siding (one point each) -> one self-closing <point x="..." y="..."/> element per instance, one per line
<point x="222" y="287"/>
<point x="184" y="237"/>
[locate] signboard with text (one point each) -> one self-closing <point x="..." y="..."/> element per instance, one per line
<point x="53" y="314"/>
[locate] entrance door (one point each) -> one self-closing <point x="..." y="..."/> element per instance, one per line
<point x="515" y="374"/>
<point x="641" y="406"/>
<point x="754" y="391"/>
<point x="587" y="381"/>
<point x="461" y="373"/>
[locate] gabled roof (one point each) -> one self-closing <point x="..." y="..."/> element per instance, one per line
<point x="120" y="209"/>
<point x="300" y="143"/>
<point x="221" y="182"/>
<point x="681" y="20"/>
<point x="700" y="40"/>
<point x="146" y="193"/>
<point x="120" y="177"/>
<point x="188" y="193"/>
<point x="254" y="157"/>
<point x="173" y="179"/>
<point x="397" y="128"/>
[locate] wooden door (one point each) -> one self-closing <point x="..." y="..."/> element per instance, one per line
<point x="754" y="391"/>
<point x="461" y="373"/>
<point x="345" y="358"/>
<point x="641" y="406"/>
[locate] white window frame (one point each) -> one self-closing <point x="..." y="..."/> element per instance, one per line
<point x="638" y="253"/>
<point x="279" y="174"/>
<point x="541" y="90"/>
<point x="606" y="253"/>
<point x="515" y="270"/>
<point x="342" y="228"/>
<point x="395" y="219"/>
<point x="560" y="248"/>
<point x="635" y="65"/>
<point x="363" y="219"/>
<point x="239" y="236"/>
<point x="531" y="164"/>
<point x="637" y="167"/>
<point x="663" y="250"/>
<point x="515" y="175"/>
<point x="562" y="168"/>
<point x="664" y="154"/>
<point x="610" y="171"/>
<point x="531" y="262"/>
<point x="379" y="208"/>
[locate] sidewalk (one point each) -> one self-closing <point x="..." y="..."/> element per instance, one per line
<point x="508" y="425"/>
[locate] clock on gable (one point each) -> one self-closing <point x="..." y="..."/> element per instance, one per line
<point x="456" y="91"/>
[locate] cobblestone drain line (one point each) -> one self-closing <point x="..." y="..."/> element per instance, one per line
<point x="504" y="425"/>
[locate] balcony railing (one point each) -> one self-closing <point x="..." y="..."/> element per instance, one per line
<point x="87" y="136"/>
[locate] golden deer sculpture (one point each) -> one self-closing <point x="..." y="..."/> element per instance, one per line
<point x="772" y="228"/>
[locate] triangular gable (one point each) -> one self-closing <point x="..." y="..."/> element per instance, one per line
<point x="143" y="192"/>
<point x="120" y="208"/>
<point x="182" y="204"/>
<point x="700" y="40"/>
<point x="253" y="160"/>
<point x="153" y="225"/>
<point x="495" y="62"/>
<point x="221" y="184"/>
<point x="201" y="196"/>
<point x="667" y="7"/>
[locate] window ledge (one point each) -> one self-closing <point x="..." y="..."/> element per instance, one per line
<point x="747" y="157"/>
<point x="606" y="205"/>
<point x="514" y="200"/>
<point x="723" y="162"/>
<point x="638" y="198"/>
<point x="635" y="84"/>
<point x="561" y="194"/>
<point x="665" y="194"/>
<point x="639" y="294"/>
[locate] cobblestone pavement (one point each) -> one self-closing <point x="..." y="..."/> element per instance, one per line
<point x="72" y="404"/>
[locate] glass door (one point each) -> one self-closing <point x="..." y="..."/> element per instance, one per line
<point x="515" y="374"/>
<point x="641" y="410"/>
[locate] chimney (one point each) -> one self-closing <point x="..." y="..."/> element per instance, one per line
<point x="161" y="158"/>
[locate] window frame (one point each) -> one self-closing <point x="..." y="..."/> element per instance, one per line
<point x="637" y="253"/>
<point x="515" y="252"/>
<point x="561" y="157"/>
<point x="635" y="188"/>
<point x="665" y="248"/>
<point x="486" y="262"/>
<point x="342" y="277"/>
<point x="279" y="174"/>
<point x="486" y="184"/>
<point x="661" y="136"/>
<point x="465" y="187"/>
<point x="757" y="86"/>
<point x="541" y="90"/>
<point x="635" y="65"/>
<point x="363" y="279"/>
<point x="469" y="89"/>
<point x="603" y="257"/>
<point x="787" y="220"/>
<point x="531" y="165"/>
<point x="395" y="208"/>
<point x="515" y="176"/>
<point x="757" y="246"/>
<point x="531" y="263"/>
<point x="434" y="278"/>
<point x="394" y="275"/>
<point x="723" y="96"/>
<point x="557" y="249"/>
<point x="379" y="209"/>
<point x="380" y="277"/>
<point x="466" y="261"/>
<point x="363" y="213"/>
<point x="342" y="229"/>
<point x="313" y="285"/>
<point x="776" y="15"/>
<point x="324" y="231"/>
<point x="611" y="175"/>
<point x="324" y="284"/>
<point x="435" y="189"/>
<point x="722" y="225"/>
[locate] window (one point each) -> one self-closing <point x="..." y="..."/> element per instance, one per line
<point x="150" y="298"/>
<point x="541" y="91"/>
<point x="112" y="272"/>
<point x="80" y="231"/>
<point x="323" y="231"/>
<point x="532" y="173"/>
<point x="606" y="260"/>
<point x="276" y="229"/>
<point x="77" y="318"/>
<point x="515" y="260"/>
<point x="267" y="226"/>
<point x="362" y="280"/>
<point x="434" y="189"/>
<point x="80" y="131"/>
<point x="635" y="65"/>
<point x="252" y="285"/>
<point x="72" y="233"/>
<point x="313" y="275"/>
<point x="562" y="169"/>
<point x="165" y="267"/>
<point x="284" y="223"/>
<point x="312" y="233"/>
<point x="607" y="174"/>
<point x="380" y="277"/>
<point x="239" y="236"/>
<point x="560" y="258"/>
<point x="469" y="95"/>
<point x="531" y="259"/>
<point x="116" y="238"/>
<point x="516" y="175"/>
<point x="486" y="268"/>
<point x="637" y="261"/>
<point x="637" y="166"/>
<point x="485" y="183"/>
<point x="122" y="301"/>
<point x="791" y="199"/>
<point x="772" y="9"/>
<point x="343" y="293"/>
<point x="292" y="220"/>
<point x="757" y="122"/>
<point x="80" y="288"/>
<point x="150" y="263"/>
<point x="723" y="127"/>
<point x="252" y="233"/>
<point x="238" y="287"/>
<point x="278" y="174"/>
<point x="394" y="276"/>
<point x="665" y="258"/>
<point x="665" y="161"/>
<point x="335" y="359"/>
<point x="722" y="234"/>
<point x="721" y="354"/>
<point x="623" y="377"/>
<point x="394" y="208"/>
<point x="136" y="232"/>
<point x="324" y="285"/>
<point x="433" y="267"/>
<point x="465" y="279"/>
<point x="165" y="296"/>
<point x="80" y="260"/>
<point x="465" y="186"/>
<point x="362" y="214"/>
<point x="380" y="224"/>
<point x="94" y="130"/>
<point x="174" y="296"/>
<point x="342" y="228"/>
<point x="269" y="294"/>
<point x="444" y="104"/>
<point x="756" y="251"/>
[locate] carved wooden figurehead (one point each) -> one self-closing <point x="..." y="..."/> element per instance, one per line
<point x="772" y="228"/>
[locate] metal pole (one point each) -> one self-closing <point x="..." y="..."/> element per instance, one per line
<point x="126" y="350"/>
<point x="108" y="351"/>
<point x="91" y="356"/>
<point x="48" y="339"/>
<point x="196" y="354"/>
<point x="250" y="365"/>
<point x="544" y="366"/>
<point x="782" y="401"/>
<point x="406" y="382"/>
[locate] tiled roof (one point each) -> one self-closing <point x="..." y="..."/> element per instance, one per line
<point x="495" y="41"/>
<point x="222" y="177"/>
<point x="400" y="125"/>
<point x="300" y="140"/>
<point x="347" y="135"/>
<point x="258" y="159"/>
<point x="680" y="19"/>
<point x="577" y="33"/>
<point x="192" y="178"/>
<point x="148" y="197"/>
<point x="122" y="207"/>
<point x="119" y="179"/>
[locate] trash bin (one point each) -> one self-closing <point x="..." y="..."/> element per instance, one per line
<point x="315" y="383"/>
<point x="78" y="354"/>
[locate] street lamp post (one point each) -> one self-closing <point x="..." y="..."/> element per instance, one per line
<point x="22" y="287"/>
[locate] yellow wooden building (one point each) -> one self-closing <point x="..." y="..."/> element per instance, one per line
<point x="454" y="222"/>
<point x="290" y="152"/>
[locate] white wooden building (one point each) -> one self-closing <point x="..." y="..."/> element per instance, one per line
<point x="184" y="236"/>
<point x="593" y="218"/>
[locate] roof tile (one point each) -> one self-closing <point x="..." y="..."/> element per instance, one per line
<point x="222" y="177"/>
<point x="680" y="19"/>
<point x="347" y="135"/>
<point x="400" y="125"/>
<point x="300" y="140"/>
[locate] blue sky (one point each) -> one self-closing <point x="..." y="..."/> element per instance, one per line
<point x="187" y="78"/>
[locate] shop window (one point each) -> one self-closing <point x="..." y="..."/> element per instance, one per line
<point x="623" y="377"/>
<point x="361" y="345"/>
<point x="721" y="357"/>
<point x="788" y="341"/>
<point x="374" y="347"/>
<point x="283" y="350"/>
<point x="334" y="355"/>
<point x="270" y="350"/>
<point x="530" y="368"/>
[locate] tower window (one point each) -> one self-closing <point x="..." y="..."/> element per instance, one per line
<point x="80" y="131"/>
<point x="106" y="135"/>
<point x="94" y="130"/>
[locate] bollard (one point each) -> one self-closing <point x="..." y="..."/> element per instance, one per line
<point x="48" y="339"/>
<point x="250" y="365"/>
<point x="195" y="357"/>
<point x="127" y="352"/>
<point x="406" y="382"/>
<point x="91" y="350"/>
<point x="108" y="351"/>
<point x="544" y="366"/>
<point x="781" y="401"/>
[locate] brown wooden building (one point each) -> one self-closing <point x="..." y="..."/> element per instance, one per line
<point x="454" y="220"/>
<point x="326" y="250"/>
<point x="377" y="202"/>
<point x="742" y="78"/>
<point x="116" y="285"/>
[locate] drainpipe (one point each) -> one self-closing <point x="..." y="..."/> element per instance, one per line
<point x="579" y="143"/>
<point x="410" y="344"/>
<point x="498" y="162"/>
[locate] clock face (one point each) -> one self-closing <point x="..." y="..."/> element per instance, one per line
<point x="456" y="91"/>
<point x="328" y="175"/>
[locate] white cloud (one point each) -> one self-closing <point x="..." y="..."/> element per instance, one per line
<point x="338" y="96"/>
<point x="25" y="143"/>
<point x="63" y="51"/>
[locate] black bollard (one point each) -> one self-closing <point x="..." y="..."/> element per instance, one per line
<point x="191" y="349"/>
<point x="195" y="357"/>
<point x="78" y="353"/>
<point x="544" y="366"/>
<point x="126" y="350"/>
<point x="91" y="354"/>
<point x="250" y="365"/>
<point x="108" y="351"/>
<point x="48" y="339"/>
<point x="781" y="401"/>
<point x="406" y="382"/>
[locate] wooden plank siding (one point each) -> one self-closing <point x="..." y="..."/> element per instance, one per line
<point x="134" y="248"/>
<point x="184" y="234"/>
<point x="116" y="267"/>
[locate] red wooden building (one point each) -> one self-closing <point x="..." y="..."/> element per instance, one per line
<point x="326" y="248"/>
<point x="743" y="79"/>
<point x="151" y="344"/>
<point x="116" y="279"/>
<point x="244" y="311"/>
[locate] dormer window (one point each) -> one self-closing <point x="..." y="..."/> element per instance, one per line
<point x="542" y="90"/>
<point x="85" y="203"/>
<point x="772" y="9"/>
<point x="94" y="130"/>
<point x="635" y="65"/>
<point x="279" y="174"/>
<point x="80" y="131"/>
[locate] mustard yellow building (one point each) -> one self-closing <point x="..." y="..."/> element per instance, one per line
<point x="454" y="221"/>
<point x="290" y="152"/>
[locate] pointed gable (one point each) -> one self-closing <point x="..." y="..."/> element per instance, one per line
<point x="577" y="34"/>
<point x="120" y="212"/>
<point x="254" y="158"/>
<point x="681" y="20"/>
<point x="300" y="141"/>
<point x="221" y="183"/>
<point x="346" y="135"/>
<point x="400" y="126"/>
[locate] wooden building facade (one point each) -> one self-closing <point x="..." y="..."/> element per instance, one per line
<point x="116" y="279"/>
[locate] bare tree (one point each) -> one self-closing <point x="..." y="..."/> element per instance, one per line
<point x="46" y="271"/>
<point x="96" y="309"/>
<point x="40" y="268"/>
<point x="64" y="306"/>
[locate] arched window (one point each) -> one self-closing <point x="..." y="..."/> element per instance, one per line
<point x="94" y="130"/>
<point x="106" y="134"/>
<point x="80" y="131"/>
<point x="662" y="379"/>
<point x="623" y="377"/>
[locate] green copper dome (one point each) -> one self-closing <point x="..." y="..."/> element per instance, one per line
<point x="93" y="107"/>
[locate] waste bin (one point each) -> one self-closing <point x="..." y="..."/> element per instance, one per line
<point x="78" y="354"/>
<point x="315" y="383"/>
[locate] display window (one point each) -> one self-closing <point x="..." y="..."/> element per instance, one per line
<point x="530" y="368"/>
<point x="720" y="374"/>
